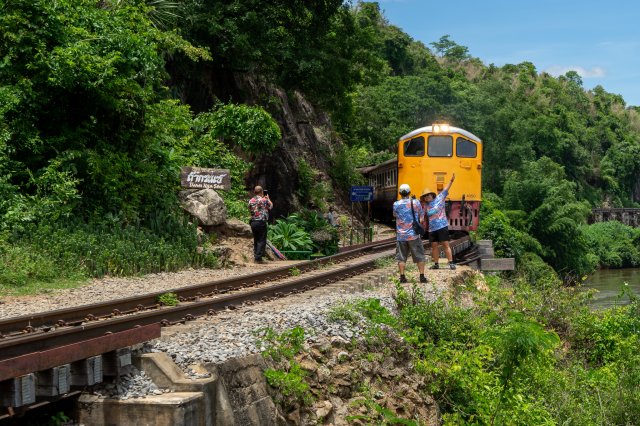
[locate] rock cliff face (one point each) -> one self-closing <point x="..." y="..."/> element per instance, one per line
<point x="306" y="134"/>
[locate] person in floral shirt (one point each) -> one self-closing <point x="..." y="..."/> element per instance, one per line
<point x="407" y="241"/>
<point x="259" y="207"/>
<point x="439" y="225"/>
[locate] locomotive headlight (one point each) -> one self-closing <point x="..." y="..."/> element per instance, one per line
<point x="437" y="128"/>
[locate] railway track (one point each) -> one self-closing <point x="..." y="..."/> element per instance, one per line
<point x="47" y="321"/>
<point x="33" y="344"/>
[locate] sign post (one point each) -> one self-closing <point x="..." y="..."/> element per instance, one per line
<point x="359" y="194"/>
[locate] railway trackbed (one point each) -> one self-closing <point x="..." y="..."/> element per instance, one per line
<point x="33" y="344"/>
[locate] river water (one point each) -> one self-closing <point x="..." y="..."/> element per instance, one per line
<point x="609" y="282"/>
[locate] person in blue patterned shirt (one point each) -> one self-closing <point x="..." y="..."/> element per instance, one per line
<point x="259" y="207"/>
<point x="406" y="238"/>
<point x="438" y="224"/>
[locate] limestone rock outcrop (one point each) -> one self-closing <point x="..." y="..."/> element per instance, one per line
<point x="205" y="205"/>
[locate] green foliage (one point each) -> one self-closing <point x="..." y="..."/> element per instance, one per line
<point x="398" y="105"/>
<point x="535" y="271"/>
<point x="449" y="49"/>
<point x="77" y="108"/>
<point x="281" y="346"/>
<point x="518" y="342"/>
<point x="288" y="380"/>
<point x="429" y="322"/>
<point x="608" y="336"/>
<point x="380" y="415"/>
<point x="294" y="272"/>
<point x="507" y="240"/>
<point x="372" y="310"/>
<point x="251" y="128"/>
<point x="21" y="265"/>
<point x="59" y="419"/>
<point x="290" y="384"/>
<point x="168" y="299"/>
<point x="47" y="252"/>
<point x="322" y="236"/>
<point x="343" y="169"/>
<point x="500" y="362"/>
<point x="306" y="179"/>
<point x="614" y="244"/>
<point x="289" y="237"/>
<point x="310" y="189"/>
<point x="553" y="215"/>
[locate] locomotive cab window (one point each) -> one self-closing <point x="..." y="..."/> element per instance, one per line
<point x="440" y="146"/>
<point x="466" y="149"/>
<point x="414" y="147"/>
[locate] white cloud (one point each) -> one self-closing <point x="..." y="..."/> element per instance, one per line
<point x="595" y="72"/>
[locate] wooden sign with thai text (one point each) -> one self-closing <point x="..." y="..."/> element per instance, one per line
<point x="200" y="178"/>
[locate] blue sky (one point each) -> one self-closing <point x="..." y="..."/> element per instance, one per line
<point x="598" y="39"/>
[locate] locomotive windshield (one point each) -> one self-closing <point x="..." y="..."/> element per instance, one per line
<point x="465" y="148"/>
<point x="414" y="147"/>
<point x="440" y="146"/>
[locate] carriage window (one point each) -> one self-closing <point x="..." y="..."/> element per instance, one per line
<point x="465" y="148"/>
<point x="414" y="147"/>
<point x="440" y="146"/>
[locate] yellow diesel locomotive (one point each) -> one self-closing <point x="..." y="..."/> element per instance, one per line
<point x="427" y="157"/>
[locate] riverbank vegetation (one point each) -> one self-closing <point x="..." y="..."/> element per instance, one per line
<point x="101" y="103"/>
<point x="495" y="351"/>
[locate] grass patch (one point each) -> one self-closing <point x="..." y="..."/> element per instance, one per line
<point x="168" y="299"/>
<point x="50" y="256"/>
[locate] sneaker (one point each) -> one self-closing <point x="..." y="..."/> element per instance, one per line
<point x="435" y="266"/>
<point x="423" y="279"/>
<point x="452" y="266"/>
<point x="403" y="279"/>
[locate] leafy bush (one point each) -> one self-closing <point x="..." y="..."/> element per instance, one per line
<point x="614" y="244"/>
<point x="535" y="271"/>
<point x="249" y="127"/>
<point x="289" y="236"/>
<point x="553" y="215"/>
<point x="323" y="237"/>
<point x="507" y="240"/>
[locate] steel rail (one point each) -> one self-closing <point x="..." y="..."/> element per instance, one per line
<point x="36" y="342"/>
<point x="46" y="321"/>
<point x="42" y="350"/>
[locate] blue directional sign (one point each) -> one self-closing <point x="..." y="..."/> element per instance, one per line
<point x="361" y="193"/>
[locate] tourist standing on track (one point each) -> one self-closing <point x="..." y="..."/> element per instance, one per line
<point x="406" y="238"/>
<point x="259" y="207"/>
<point x="438" y="224"/>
